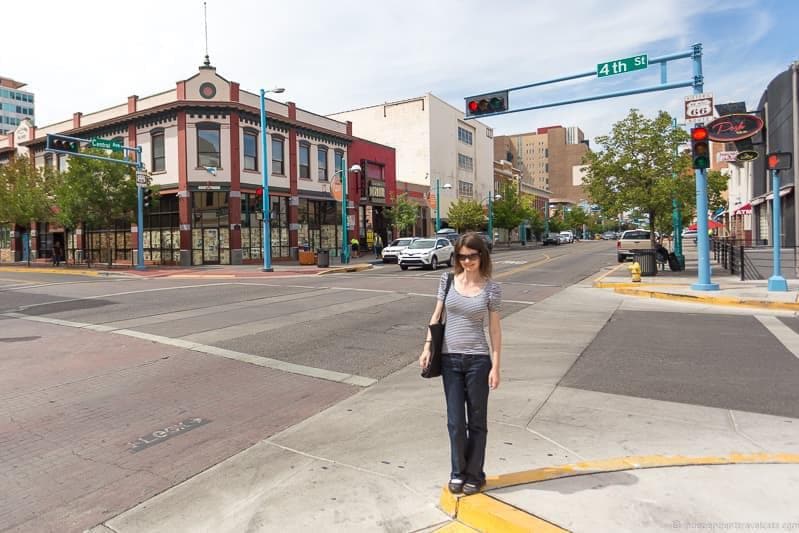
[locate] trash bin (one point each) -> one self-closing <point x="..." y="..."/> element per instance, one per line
<point x="646" y="258"/>
<point x="323" y="258"/>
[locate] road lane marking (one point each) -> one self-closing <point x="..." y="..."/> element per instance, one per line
<point x="788" y="337"/>
<point x="306" y="315"/>
<point x="26" y="307"/>
<point x="275" y="364"/>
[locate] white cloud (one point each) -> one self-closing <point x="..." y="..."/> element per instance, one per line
<point x="332" y="56"/>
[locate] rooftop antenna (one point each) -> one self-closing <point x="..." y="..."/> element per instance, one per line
<point x="207" y="61"/>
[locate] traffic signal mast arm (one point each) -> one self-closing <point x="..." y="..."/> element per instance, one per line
<point x="64" y="144"/>
<point x="697" y="82"/>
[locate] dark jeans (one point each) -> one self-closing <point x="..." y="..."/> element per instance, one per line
<point x="466" y="389"/>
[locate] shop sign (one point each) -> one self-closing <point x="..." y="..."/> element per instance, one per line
<point x="734" y="127"/>
<point x="726" y="157"/>
<point x="377" y="191"/>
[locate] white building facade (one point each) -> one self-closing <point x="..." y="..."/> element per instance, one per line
<point x="434" y="145"/>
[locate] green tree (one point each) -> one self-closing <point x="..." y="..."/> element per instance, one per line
<point x="402" y="214"/>
<point x="639" y="167"/>
<point x="99" y="194"/>
<point x="574" y="220"/>
<point x="716" y="185"/>
<point x="466" y="215"/>
<point x="510" y="210"/>
<point x="25" y="192"/>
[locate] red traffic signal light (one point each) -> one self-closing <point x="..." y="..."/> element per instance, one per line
<point x="779" y="161"/>
<point x="487" y="104"/>
<point x="700" y="148"/>
<point x="699" y="134"/>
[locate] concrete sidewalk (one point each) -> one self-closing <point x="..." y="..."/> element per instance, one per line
<point x="667" y="285"/>
<point x="558" y="458"/>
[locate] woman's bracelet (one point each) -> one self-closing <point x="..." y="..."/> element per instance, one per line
<point x="428" y="342"/>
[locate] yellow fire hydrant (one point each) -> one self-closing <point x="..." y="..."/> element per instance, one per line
<point x="635" y="271"/>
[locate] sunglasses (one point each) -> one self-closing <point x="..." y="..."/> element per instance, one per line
<point x="469" y="257"/>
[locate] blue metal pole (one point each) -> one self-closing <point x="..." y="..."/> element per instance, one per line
<point x="776" y="282"/>
<point x="140" y="214"/>
<point x="702" y="239"/>
<point x="345" y="247"/>
<point x="267" y="227"/>
<point x="438" y="204"/>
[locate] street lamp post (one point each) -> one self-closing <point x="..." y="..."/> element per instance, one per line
<point x="438" y="202"/>
<point x="267" y="227"/>
<point x="491" y="198"/>
<point x="345" y="248"/>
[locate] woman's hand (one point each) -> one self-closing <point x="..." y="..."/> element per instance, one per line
<point x="493" y="378"/>
<point x="424" y="359"/>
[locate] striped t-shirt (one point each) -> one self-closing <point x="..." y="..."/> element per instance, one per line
<point x="465" y="317"/>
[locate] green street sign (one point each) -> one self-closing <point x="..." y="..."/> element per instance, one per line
<point x="621" y="66"/>
<point x="106" y="144"/>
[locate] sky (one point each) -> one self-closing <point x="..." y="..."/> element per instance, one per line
<point x="332" y="56"/>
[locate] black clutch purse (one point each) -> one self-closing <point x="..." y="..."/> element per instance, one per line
<point x="433" y="369"/>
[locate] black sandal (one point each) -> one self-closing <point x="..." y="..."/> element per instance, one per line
<point x="472" y="487"/>
<point x="455" y="485"/>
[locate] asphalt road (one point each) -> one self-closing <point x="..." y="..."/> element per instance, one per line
<point x="114" y="389"/>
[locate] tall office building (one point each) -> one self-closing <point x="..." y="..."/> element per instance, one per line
<point x="15" y="105"/>
<point x="550" y="159"/>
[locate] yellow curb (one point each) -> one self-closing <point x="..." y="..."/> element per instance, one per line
<point x="710" y="300"/>
<point x="631" y="284"/>
<point x="485" y="513"/>
<point x="635" y="463"/>
<point x="456" y="527"/>
<point x="354" y="268"/>
<point x="51" y="271"/>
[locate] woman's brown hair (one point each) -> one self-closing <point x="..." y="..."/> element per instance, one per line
<point x="475" y="242"/>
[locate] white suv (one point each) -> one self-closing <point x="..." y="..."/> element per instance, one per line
<point x="427" y="253"/>
<point x="391" y="252"/>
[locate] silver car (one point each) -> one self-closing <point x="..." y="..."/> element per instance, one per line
<point x="427" y="253"/>
<point x="391" y="252"/>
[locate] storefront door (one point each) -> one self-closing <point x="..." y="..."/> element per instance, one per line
<point x="211" y="246"/>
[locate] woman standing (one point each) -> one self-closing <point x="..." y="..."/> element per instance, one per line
<point x="468" y="366"/>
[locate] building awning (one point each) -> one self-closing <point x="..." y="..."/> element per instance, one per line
<point x="759" y="200"/>
<point x="787" y="189"/>
<point x="744" y="209"/>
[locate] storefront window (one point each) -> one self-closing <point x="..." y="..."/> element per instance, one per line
<point x="320" y="225"/>
<point x="162" y="232"/>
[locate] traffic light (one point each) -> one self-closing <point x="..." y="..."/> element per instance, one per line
<point x="700" y="148"/>
<point x="779" y="160"/>
<point x="487" y="104"/>
<point x="61" y="143"/>
<point x="148" y="197"/>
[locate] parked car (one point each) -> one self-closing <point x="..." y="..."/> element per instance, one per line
<point x="427" y="253"/>
<point x="391" y="252"/>
<point x="568" y="235"/>
<point x="551" y="238"/>
<point x="448" y="233"/>
<point x="609" y="236"/>
<point x="633" y="239"/>
<point x="689" y="234"/>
